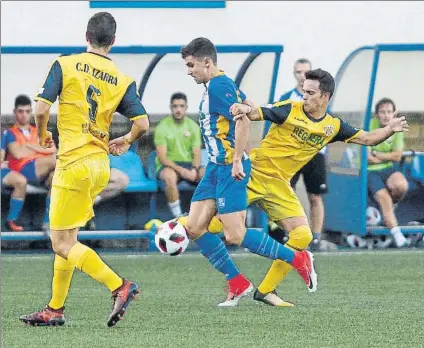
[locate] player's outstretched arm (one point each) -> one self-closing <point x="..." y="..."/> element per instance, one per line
<point x="377" y="136"/>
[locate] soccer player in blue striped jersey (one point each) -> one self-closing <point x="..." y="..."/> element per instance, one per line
<point x="223" y="188"/>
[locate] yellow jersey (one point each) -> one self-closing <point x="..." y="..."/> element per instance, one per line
<point x="295" y="137"/>
<point x="91" y="89"/>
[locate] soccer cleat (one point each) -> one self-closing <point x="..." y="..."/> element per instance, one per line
<point x="46" y="317"/>
<point x="121" y="299"/>
<point x="13" y="226"/>
<point x="271" y="298"/>
<point x="238" y="288"/>
<point x="304" y="264"/>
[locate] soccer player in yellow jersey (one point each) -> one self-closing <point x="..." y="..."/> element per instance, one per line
<point x="299" y="131"/>
<point x="90" y="89"/>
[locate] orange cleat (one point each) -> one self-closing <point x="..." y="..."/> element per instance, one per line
<point x="121" y="299"/>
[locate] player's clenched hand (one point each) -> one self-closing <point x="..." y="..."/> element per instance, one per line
<point x="118" y="146"/>
<point x="237" y="172"/>
<point x="237" y="109"/>
<point x="399" y="124"/>
<point x="46" y="141"/>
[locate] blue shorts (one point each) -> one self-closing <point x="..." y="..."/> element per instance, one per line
<point x="377" y="179"/>
<point x="218" y="184"/>
<point x="28" y="171"/>
<point x="4" y="172"/>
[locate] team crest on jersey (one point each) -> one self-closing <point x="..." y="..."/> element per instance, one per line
<point x="329" y="130"/>
<point x="187" y="134"/>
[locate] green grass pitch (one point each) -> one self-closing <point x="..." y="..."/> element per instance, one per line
<point x="364" y="299"/>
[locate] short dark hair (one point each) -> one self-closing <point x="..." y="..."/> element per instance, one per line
<point x="383" y="101"/>
<point x="200" y="48"/>
<point x="303" y="61"/>
<point x="22" y="100"/>
<point x="178" y="95"/>
<point x="101" y="29"/>
<point x="326" y="81"/>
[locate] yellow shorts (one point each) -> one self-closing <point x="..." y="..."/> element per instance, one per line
<point x="74" y="189"/>
<point x="274" y="195"/>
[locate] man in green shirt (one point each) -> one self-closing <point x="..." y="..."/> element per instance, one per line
<point x="387" y="185"/>
<point x="178" y="144"/>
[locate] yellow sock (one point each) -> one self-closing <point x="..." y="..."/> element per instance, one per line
<point x="215" y="226"/>
<point x="276" y="273"/>
<point x="62" y="276"/>
<point x="87" y="261"/>
<point x="299" y="239"/>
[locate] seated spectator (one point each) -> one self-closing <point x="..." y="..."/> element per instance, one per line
<point x="178" y="145"/>
<point x="387" y="185"/>
<point x="18" y="184"/>
<point x="26" y="157"/>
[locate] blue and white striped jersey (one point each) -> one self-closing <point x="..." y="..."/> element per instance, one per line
<point x="216" y="122"/>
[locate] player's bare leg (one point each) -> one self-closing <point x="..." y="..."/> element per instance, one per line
<point x="317" y="218"/>
<point x="389" y="218"/>
<point x="212" y="247"/>
<point x="71" y="254"/>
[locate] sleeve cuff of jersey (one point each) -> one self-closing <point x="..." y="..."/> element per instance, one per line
<point x="261" y="113"/>
<point x="353" y="136"/>
<point x="44" y="100"/>
<point x="138" y="117"/>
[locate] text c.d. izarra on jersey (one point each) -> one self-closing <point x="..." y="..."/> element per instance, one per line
<point x="96" y="73"/>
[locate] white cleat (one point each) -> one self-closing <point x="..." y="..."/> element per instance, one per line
<point x="313" y="276"/>
<point x="303" y="262"/>
<point x="271" y="299"/>
<point x="233" y="298"/>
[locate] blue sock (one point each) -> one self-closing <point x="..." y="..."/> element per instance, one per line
<point x="213" y="248"/>
<point x="262" y="244"/>
<point x="16" y="205"/>
<point x="46" y="213"/>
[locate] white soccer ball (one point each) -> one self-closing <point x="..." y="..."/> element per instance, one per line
<point x="373" y="216"/>
<point x="171" y="238"/>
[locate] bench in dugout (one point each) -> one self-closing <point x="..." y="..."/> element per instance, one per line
<point x="369" y="74"/>
<point x="117" y="209"/>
